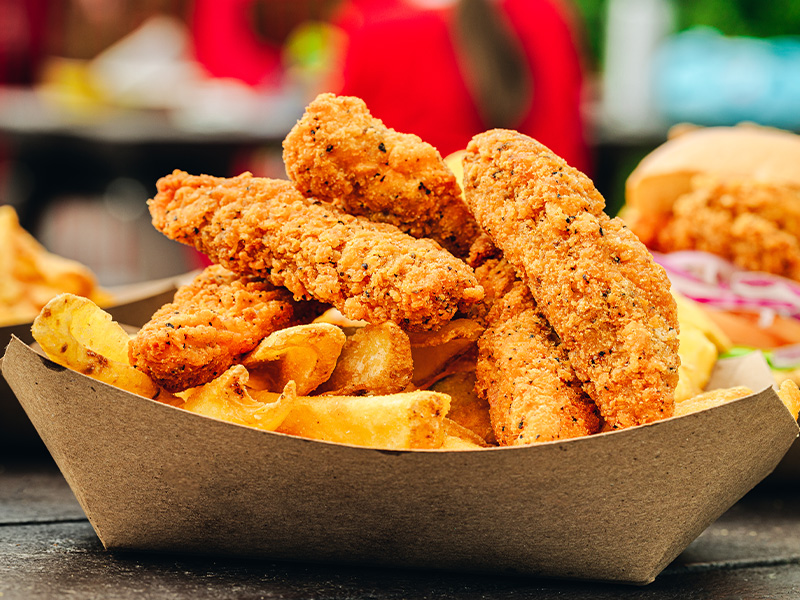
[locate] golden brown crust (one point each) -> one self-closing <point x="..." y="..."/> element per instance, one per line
<point x="338" y="152"/>
<point x="754" y="225"/>
<point x="266" y="228"/>
<point x="596" y="285"/>
<point x="523" y="370"/>
<point x="211" y="322"/>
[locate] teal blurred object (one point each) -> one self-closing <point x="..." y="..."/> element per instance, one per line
<point x="707" y="78"/>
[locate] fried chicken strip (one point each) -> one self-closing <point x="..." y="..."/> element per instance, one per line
<point x="338" y="152"/>
<point x="212" y="321"/>
<point x="524" y="372"/>
<point x="594" y="282"/>
<point x="266" y="228"/>
<point x="752" y="224"/>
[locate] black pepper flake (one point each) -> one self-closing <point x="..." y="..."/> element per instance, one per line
<point x="329" y="148"/>
<point x="381" y="147"/>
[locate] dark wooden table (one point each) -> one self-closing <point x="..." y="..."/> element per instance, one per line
<point x="49" y="550"/>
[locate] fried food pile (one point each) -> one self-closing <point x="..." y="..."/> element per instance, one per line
<point x="30" y="275"/>
<point x="367" y="300"/>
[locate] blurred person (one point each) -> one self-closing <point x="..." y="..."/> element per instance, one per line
<point x="448" y="70"/>
<point x="245" y="39"/>
<point x="442" y="69"/>
<point x="22" y="40"/>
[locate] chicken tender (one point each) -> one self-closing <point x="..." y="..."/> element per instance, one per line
<point x="754" y="225"/>
<point x="593" y="281"/>
<point x="211" y="322"/>
<point x="524" y="372"/>
<point x="266" y="228"/>
<point x="338" y="152"/>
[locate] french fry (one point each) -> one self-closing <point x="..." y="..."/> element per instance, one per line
<point x="459" y="437"/>
<point x="32" y="276"/>
<point x="790" y="396"/>
<point x="467" y="409"/>
<point x="76" y="333"/>
<point x="305" y="354"/>
<point x="433" y="351"/>
<point x="375" y="360"/>
<point x="397" y="421"/>
<point x="710" y="399"/>
<point x="228" y="399"/>
<point x="698" y="356"/>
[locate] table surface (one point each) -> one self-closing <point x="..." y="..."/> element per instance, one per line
<point x="49" y="550"/>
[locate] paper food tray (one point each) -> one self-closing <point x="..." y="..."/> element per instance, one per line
<point x="615" y="506"/>
<point x="135" y="304"/>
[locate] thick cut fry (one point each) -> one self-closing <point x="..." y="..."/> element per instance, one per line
<point x="376" y="360"/>
<point x="397" y="421"/>
<point x="459" y="437"/>
<point x="467" y="409"/>
<point x="711" y="399"/>
<point x="73" y="331"/>
<point x="305" y="354"/>
<point x="692" y="314"/>
<point x="228" y="399"/>
<point x="433" y="352"/>
<point x="698" y="357"/>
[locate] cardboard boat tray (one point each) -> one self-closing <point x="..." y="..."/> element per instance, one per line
<point x="135" y="304"/>
<point x="616" y="506"/>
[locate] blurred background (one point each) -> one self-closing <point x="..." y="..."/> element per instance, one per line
<point x="100" y="98"/>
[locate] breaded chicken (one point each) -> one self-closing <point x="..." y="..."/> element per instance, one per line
<point x="266" y="228"/>
<point x="754" y="225"/>
<point x="595" y="283"/>
<point x="338" y="152"/>
<point x="211" y="322"/>
<point x="524" y="372"/>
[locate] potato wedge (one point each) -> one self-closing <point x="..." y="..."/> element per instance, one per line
<point x="467" y="409"/>
<point x="228" y="399"/>
<point x="397" y="421"/>
<point x="433" y="351"/>
<point x="305" y="354"/>
<point x="375" y="360"/>
<point x="76" y="333"/>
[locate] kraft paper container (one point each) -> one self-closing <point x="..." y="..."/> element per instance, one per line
<point x="135" y="304"/>
<point x="615" y="506"/>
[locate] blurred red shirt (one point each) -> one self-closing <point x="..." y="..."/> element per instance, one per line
<point x="402" y="62"/>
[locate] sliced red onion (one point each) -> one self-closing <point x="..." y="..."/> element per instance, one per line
<point x="785" y="357"/>
<point x="717" y="282"/>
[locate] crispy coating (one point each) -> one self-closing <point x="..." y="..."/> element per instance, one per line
<point x="754" y="225"/>
<point x="338" y="152"/>
<point x="594" y="282"/>
<point x="524" y="372"/>
<point x="495" y="275"/>
<point x="212" y="321"/>
<point x="266" y="228"/>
